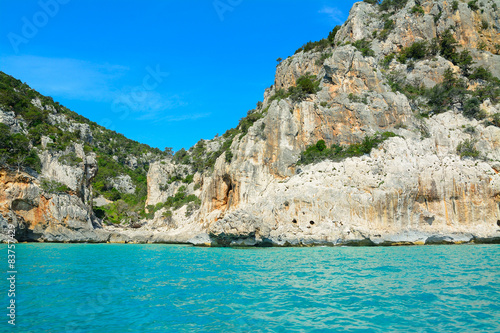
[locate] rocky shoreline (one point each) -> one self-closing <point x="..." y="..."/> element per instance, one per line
<point x="415" y="238"/>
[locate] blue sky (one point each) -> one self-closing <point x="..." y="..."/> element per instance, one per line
<point x="165" y="73"/>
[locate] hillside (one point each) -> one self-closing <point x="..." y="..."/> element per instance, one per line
<point x="385" y="132"/>
<point x="68" y="155"/>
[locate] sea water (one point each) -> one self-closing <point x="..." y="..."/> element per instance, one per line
<point x="166" y="288"/>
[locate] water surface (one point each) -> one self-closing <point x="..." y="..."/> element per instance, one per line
<point x="165" y="288"/>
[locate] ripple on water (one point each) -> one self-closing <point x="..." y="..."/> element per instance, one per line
<point x="148" y="288"/>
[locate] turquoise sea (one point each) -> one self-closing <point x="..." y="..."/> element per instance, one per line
<point x="166" y="288"/>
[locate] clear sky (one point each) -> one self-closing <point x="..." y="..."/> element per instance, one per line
<point x="166" y="73"/>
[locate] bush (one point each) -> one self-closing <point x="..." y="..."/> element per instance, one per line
<point x="189" y="179"/>
<point x="466" y="149"/>
<point x="471" y="108"/>
<point x="454" y="5"/>
<point x="363" y="46"/>
<point x="278" y="95"/>
<point x="464" y="61"/>
<point x="473" y="5"/>
<point x="495" y="119"/>
<point x="392" y="4"/>
<point x="448" y="45"/>
<point x="319" y="151"/>
<point x="54" y="187"/>
<point x="70" y="159"/>
<point x="388" y="27"/>
<point x="321" y="44"/>
<point x="418" y="10"/>
<point x="442" y="96"/>
<point x="481" y="73"/>
<point x="306" y="84"/>
<point x="322" y="59"/>
<point x="418" y="50"/>
<point x="387" y="60"/>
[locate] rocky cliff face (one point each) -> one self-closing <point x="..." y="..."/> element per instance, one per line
<point x="41" y="211"/>
<point x="414" y="188"/>
<point x="50" y="160"/>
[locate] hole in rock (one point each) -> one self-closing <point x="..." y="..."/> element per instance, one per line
<point x="294" y="221"/>
<point x="498" y="223"/>
<point x="311" y="222"/>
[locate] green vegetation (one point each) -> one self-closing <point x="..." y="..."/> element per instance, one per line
<point x="469" y="129"/>
<point x="321" y="44"/>
<point x="387" y="60"/>
<point x="481" y="73"/>
<point x="416" y="51"/>
<point x="118" y="212"/>
<point x="70" y="159"/>
<point x="418" y="10"/>
<point x="15" y="148"/>
<point x="471" y="108"/>
<point x="473" y="5"/>
<point x="389" y="25"/>
<point x="319" y="151"/>
<point x="363" y="46"/>
<point x="356" y="99"/>
<point x="484" y="24"/>
<point x="447" y="44"/>
<point x="495" y="120"/>
<point x="306" y="84"/>
<point x="466" y="149"/>
<point x="452" y="92"/>
<point x="175" y="202"/>
<point x="438" y="16"/>
<point x="454" y="5"/>
<point x="51" y="186"/>
<point x="387" y="5"/>
<point x="323" y="57"/>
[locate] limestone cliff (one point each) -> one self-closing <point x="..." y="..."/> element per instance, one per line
<point x="414" y="188"/>
<point x="53" y="163"/>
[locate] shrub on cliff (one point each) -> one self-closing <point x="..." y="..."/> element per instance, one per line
<point x="389" y="25"/>
<point x="416" y="51"/>
<point x="481" y="73"/>
<point x="495" y="119"/>
<point x="471" y="108"/>
<point x="320" y="45"/>
<point x="363" y="46"/>
<point x="447" y="45"/>
<point x="452" y="90"/>
<point x="319" y="151"/>
<point x="466" y="149"/>
<point x="54" y="187"/>
<point x="392" y="4"/>
<point x="418" y="10"/>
